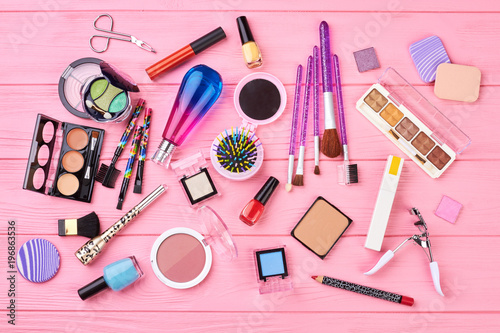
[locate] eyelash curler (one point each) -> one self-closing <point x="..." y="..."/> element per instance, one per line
<point x="421" y="239"/>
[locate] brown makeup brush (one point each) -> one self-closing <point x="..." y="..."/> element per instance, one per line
<point x="330" y="144"/>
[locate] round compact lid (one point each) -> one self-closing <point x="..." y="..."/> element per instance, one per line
<point x="38" y="260"/>
<point x="72" y="81"/>
<point x="118" y="78"/>
<point x="217" y="234"/>
<point x="260" y="98"/>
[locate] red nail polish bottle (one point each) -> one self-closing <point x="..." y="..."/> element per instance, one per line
<point x="254" y="209"/>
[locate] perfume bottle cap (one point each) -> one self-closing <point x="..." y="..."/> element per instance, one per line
<point x="93" y="288"/>
<point x="267" y="190"/>
<point x="244" y="29"/>
<point x="163" y="153"/>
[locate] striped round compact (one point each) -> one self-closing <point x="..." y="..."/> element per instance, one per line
<point x="38" y="260"/>
<point x="428" y="54"/>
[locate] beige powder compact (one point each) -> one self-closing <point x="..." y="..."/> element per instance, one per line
<point x="321" y="227"/>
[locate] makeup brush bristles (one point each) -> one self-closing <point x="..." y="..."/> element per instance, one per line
<point x="87" y="226"/>
<point x="298" y="180"/>
<point x="330" y="145"/>
<point x="316" y="169"/>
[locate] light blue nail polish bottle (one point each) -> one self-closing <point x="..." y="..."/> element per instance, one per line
<point x="117" y="276"/>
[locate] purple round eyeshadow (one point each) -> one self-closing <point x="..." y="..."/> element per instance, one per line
<point x="38" y="260"/>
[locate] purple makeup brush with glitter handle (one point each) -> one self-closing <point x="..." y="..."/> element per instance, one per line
<point x="296" y="107"/>
<point x="303" y="127"/>
<point x="330" y="145"/>
<point x="316" y="107"/>
<point x="326" y="64"/>
<point x="293" y="134"/>
<point x="305" y="108"/>
<point x="340" y="101"/>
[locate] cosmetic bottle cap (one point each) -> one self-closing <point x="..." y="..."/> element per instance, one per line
<point x="208" y="40"/>
<point x="244" y="29"/>
<point x="266" y="190"/>
<point x="163" y="154"/>
<point x="92" y="288"/>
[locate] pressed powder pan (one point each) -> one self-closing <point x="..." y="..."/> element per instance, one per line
<point x="321" y="227"/>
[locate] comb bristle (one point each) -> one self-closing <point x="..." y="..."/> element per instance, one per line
<point x="351" y="174"/>
<point x="110" y="176"/>
<point x="101" y="173"/>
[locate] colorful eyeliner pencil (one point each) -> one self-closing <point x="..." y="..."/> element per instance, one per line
<point x="293" y="134"/>
<point x="130" y="164"/>
<point x="330" y="146"/>
<point x="347" y="173"/>
<point x="316" y="108"/>
<point x="107" y="175"/>
<point x="139" y="176"/>
<point x="363" y="290"/>
<point x="299" y="175"/>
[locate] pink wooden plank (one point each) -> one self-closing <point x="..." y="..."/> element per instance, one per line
<point x="391" y="37"/>
<point x="222" y="6"/>
<point x="467" y="278"/>
<point x="38" y="214"/>
<point x="365" y="141"/>
<point x="268" y="320"/>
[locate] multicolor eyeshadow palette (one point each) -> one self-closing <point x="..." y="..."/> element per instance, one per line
<point x="75" y="148"/>
<point x="92" y="88"/>
<point x="412" y="123"/>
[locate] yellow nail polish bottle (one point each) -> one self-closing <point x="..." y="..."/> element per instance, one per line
<point x="251" y="51"/>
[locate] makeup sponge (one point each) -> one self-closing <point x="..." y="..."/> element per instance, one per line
<point x="457" y="82"/>
<point x="428" y="54"/>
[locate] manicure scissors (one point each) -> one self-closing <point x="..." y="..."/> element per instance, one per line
<point x="421" y="239"/>
<point x="129" y="38"/>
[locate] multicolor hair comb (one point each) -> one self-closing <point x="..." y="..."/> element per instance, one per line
<point x="237" y="153"/>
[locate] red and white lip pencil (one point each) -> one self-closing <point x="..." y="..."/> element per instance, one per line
<point x="368" y="291"/>
<point x="185" y="53"/>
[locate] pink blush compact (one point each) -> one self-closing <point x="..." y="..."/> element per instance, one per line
<point x="182" y="257"/>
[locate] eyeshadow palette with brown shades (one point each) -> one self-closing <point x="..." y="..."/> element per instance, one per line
<point x="412" y="123"/>
<point x="63" y="159"/>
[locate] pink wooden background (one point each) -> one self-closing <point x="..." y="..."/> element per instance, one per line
<point x="39" y="38"/>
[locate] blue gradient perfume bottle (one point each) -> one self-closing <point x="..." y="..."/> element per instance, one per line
<point x="117" y="276"/>
<point x="200" y="88"/>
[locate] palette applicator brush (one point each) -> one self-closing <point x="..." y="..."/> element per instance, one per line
<point x="316" y="108"/>
<point x="130" y="165"/>
<point x="299" y="175"/>
<point x="330" y="146"/>
<point x="139" y="176"/>
<point x="293" y="134"/>
<point x="347" y="173"/>
<point x="107" y="175"/>
<point x="87" y="226"/>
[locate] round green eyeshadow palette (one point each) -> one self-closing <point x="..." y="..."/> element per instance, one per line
<point x="92" y="88"/>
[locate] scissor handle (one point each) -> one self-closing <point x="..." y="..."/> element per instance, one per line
<point x="107" y="42"/>
<point x="110" y="31"/>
